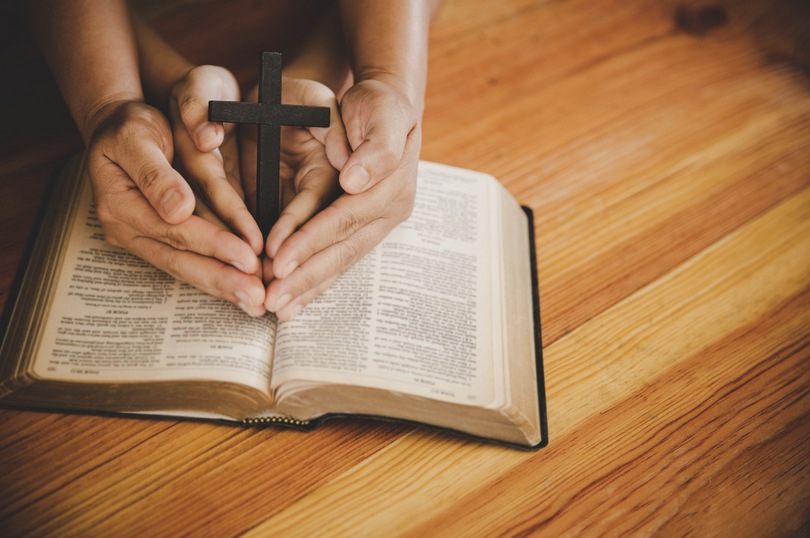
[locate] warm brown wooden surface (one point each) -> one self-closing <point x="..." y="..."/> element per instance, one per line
<point x="665" y="149"/>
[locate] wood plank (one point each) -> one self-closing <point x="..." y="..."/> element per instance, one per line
<point x="658" y="483"/>
<point x="649" y="350"/>
<point x="203" y="471"/>
<point x="666" y="154"/>
<point x="631" y="178"/>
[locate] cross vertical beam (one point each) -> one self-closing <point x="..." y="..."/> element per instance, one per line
<point x="268" y="164"/>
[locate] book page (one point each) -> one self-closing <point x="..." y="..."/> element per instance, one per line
<point x="415" y="315"/>
<point x="116" y="318"/>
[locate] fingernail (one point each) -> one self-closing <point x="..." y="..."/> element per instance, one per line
<point x="289" y="269"/>
<point x="357" y="177"/>
<point x="171" y="201"/>
<point x="283" y="301"/>
<point x="241" y="268"/>
<point x="244" y="307"/>
<point x="296" y="310"/>
<point x="205" y="132"/>
<point x="243" y="297"/>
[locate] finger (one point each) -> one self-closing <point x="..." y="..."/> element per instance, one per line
<point x="332" y="225"/>
<point x="230" y="207"/>
<point x="206" y="170"/>
<point x="325" y="265"/>
<point x="311" y="93"/>
<point x="194" y="234"/>
<point x="378" y="137"/>
<point x="317" y="187"/>
<point x="248" y="137"/>
<point x="192" y="94"/>
<point x="229" y="151"/>
<point x="206" y="274"/>
<point x="294" y="307"/>
<point x="351" y="212"/>
<point x="267" y="270"/>
<point x="146" y="163"/>
<point x="204" y="212"/>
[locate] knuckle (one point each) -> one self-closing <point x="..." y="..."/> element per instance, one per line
<point x="221" y="76"/>
<point x="387" y="158"/>
<point x="221" y="282"/>
<point x="150" y="180"/>
<point x="408" y="192"/>
<point x="214" y="185"/>
<point x="111" y="237"/>
<point x="174" y="237"/>
<point x="344" y="222"/>
<point x="349" y="253"/>
<point x="315" y="197"/>
<point x="405" y="213"/>
<point x="173" y="265"/>
<point x="189" y="105"/>
<point x="307" y="240"/>
<point x="405" y="202"/>
<point x="349" y="222"/>
<point x="105" y="214"/>
<point x="309" y="280"/>
<point x="206" y="188"/>
<point x="321" y="94"/>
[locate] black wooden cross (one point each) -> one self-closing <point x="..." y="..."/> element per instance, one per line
<point x="270" y="115"/>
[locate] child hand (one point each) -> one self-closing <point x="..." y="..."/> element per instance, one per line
<point x="207" y="153"/>
<point x="145" y="206"/>
<point x="379" y="178"/>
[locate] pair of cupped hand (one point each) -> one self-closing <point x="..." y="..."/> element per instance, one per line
<point x="344" y="187"/>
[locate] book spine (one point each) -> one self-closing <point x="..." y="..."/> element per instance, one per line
<point x="282" y="420"/>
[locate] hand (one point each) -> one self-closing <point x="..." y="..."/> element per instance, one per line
<point x="310" y="159"/>
<point x="145" y="206"/>
<point x="207" y="153"/>
<point x="379" y="180"/>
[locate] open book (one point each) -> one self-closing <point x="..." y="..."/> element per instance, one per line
<point x="438" y="325"/>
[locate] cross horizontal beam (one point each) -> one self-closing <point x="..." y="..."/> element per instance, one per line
<point x="268" y="114"/>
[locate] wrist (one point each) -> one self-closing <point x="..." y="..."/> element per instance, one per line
<point x="329" y="76"/>
<point x="160" y="66"/>
<point x="322" y="55"/>
<point x="101" y="111"/>
<point x="159" y="83"/>
<point x="412" y="93"/>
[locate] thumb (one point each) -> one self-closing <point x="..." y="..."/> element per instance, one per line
<point x="296" y="91"/>
<point x="378" y="136"/>
<point x="164" y="188"/>
<point x="190" y="97"/>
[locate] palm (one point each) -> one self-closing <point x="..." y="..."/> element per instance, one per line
<point x="308" y="180"/>
<point x="303" y="166"/>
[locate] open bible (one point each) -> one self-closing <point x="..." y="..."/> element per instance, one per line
<point x="438" y="325"/>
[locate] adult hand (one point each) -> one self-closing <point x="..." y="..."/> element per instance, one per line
<point x="145" y="206"/>
<point x="379" y="180"/>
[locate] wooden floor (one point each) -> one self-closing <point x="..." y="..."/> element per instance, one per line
<point x="665" y="149"/>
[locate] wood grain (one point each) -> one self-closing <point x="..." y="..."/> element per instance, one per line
<point x="623" y="352"/>
<point x="665" y="149"/>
